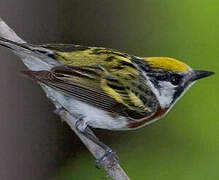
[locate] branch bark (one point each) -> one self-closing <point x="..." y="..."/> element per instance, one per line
<point x="115" y="171"/>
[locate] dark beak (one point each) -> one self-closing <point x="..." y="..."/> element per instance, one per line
<point x="200" y="74"/>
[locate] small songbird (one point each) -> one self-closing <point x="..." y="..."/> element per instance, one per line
<point x="107" y="88"/>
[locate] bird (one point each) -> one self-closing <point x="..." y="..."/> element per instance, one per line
<point x="107" y="88"/>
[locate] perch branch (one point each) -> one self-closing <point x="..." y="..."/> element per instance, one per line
<point x="115" y="171"/>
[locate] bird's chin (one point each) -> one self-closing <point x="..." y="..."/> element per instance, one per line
<point x="180" y="92"/>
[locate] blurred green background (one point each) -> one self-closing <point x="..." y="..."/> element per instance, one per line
<point x="184" y="145"/>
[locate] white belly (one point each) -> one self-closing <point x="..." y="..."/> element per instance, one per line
<point x="93" y="116"/>
<point x="98" y="118"/>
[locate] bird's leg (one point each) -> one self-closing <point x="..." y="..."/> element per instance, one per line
<point x="58" y="109"/>
<point x="109" y="153"/>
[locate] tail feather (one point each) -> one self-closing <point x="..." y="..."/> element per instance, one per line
<point x="34" y="57"/>
<point x="22" y="48"/>
<point x="13" y="45"/>
<point x="36" y="75"/>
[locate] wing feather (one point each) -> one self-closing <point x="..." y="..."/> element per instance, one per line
<point x="99" y="76"/>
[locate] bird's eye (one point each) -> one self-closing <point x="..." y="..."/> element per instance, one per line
<point x="175" y="79"/>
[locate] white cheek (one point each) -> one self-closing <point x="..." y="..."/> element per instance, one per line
<point x="165" y="94"/>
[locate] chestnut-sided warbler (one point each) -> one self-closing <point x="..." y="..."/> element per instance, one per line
<point x="107" y="88"/>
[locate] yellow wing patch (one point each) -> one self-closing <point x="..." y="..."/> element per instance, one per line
<point x="92" y="56"/>
<point x="111" y="92"/>
<point x="166" y="63"/>
<point x="124" y="96"/>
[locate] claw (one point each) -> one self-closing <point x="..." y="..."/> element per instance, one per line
<point x="58" y="110"/>
<point x="109" y="155"/>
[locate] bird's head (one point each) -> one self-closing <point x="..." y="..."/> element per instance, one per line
<point x="169" y="78"/>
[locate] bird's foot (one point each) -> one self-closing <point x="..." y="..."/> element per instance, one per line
<point x="58" y="109"/>
<point x="109" y="156"/>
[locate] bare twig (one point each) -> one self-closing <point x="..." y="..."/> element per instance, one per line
<point x="115" y="171"/>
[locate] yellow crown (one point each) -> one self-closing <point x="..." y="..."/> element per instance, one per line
<point x="166" y="63"/>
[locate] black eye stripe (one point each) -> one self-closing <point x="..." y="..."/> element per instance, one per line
<point x="173" y="78"/>
<point x="163" y="78"/>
